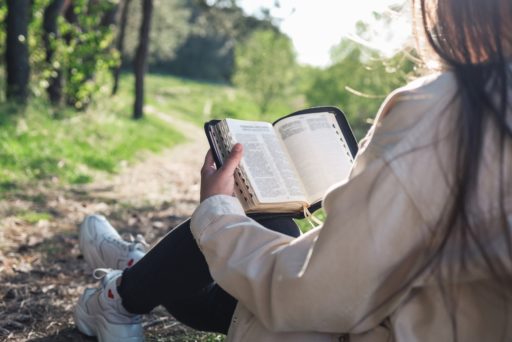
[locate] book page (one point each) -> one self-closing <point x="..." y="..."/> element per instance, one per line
<point x="316" y="145"/>
<point x="266" y="162"/>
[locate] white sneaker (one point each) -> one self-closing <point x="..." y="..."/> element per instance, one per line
<point x="99" y="312"/>
<point x="103" y="247"/>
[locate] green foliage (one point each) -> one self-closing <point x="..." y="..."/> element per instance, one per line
<point x="33" y="146"/>
<point x="358" y="82"/>
<point x="35" y="31"/>
<point x="83" y="50"/>
<point x="86" y="50"/>
<point x="3" y="14"/>
<point x="34" y="217"/>
<point x="265" y="67"/>
<point x="200" y="101"/>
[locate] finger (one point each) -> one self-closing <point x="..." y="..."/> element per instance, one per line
<point x="233" y="159"/>
<point x="209" y="163"/>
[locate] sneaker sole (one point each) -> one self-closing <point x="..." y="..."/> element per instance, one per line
<point x="104" y="329"/>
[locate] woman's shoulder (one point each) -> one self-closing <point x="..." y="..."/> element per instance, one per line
<point x="427" y="90"/>
<point x="431" y="81"/>
<point x="409" y="116"/>
<point x="419" y="103"/>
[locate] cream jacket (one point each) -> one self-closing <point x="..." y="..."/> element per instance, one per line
<point x="344" y="280"/>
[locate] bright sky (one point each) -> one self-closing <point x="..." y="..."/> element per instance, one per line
<point x="315" y="26"/>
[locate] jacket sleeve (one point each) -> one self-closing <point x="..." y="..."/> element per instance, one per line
<point x="335" y="278"/>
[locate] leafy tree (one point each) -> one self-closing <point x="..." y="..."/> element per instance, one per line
<point x="265" y="66"/>
<point x="358" y="82"/>
<point x="86" y="49"/>
<point x="361" y="77"/>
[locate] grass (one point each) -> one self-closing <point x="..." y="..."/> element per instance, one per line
<point x="34" y="216"/>
<point x="307" y="224"/>
<point x="37" y="143"/>
<point x="200" y="101"/>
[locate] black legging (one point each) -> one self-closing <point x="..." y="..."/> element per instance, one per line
<point x="174" y="274"/>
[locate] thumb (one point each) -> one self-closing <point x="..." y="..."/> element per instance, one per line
<point x="233" y="159"/>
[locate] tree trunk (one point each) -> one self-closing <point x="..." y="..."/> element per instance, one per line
<point x="120" y="44"/>
<point x="140" y="61"/>
<point x="16" y="49"/>
<point x="51" y="33"/>
<point x="69" y="12"/>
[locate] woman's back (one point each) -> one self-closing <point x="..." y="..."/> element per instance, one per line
<point x="416" y="135"/>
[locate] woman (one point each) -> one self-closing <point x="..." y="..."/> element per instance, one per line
<point x="416" y="244"/>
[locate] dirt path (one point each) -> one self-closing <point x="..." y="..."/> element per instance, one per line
<point x="41" y="270"/>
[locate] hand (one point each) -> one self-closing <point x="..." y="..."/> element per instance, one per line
<point x="221" y="181"/>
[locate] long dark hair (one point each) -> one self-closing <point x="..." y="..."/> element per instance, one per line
<point x="470" y="39"/>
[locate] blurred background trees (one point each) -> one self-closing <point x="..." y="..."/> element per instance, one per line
<point x="205" y="59"/>
<point x="72" y="46"/>
<point x="265" y="67"/>
<point x="358" y="81"/>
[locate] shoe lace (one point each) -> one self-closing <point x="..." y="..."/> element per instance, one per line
<point x="100" y="273"/>
<point x="105" y="274"/>
<point x="137" y="242"/>
<point x="114" y="240"/>
<point x="130" y="242"/>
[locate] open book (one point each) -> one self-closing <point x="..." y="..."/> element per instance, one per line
<point x="287" y="166"/>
